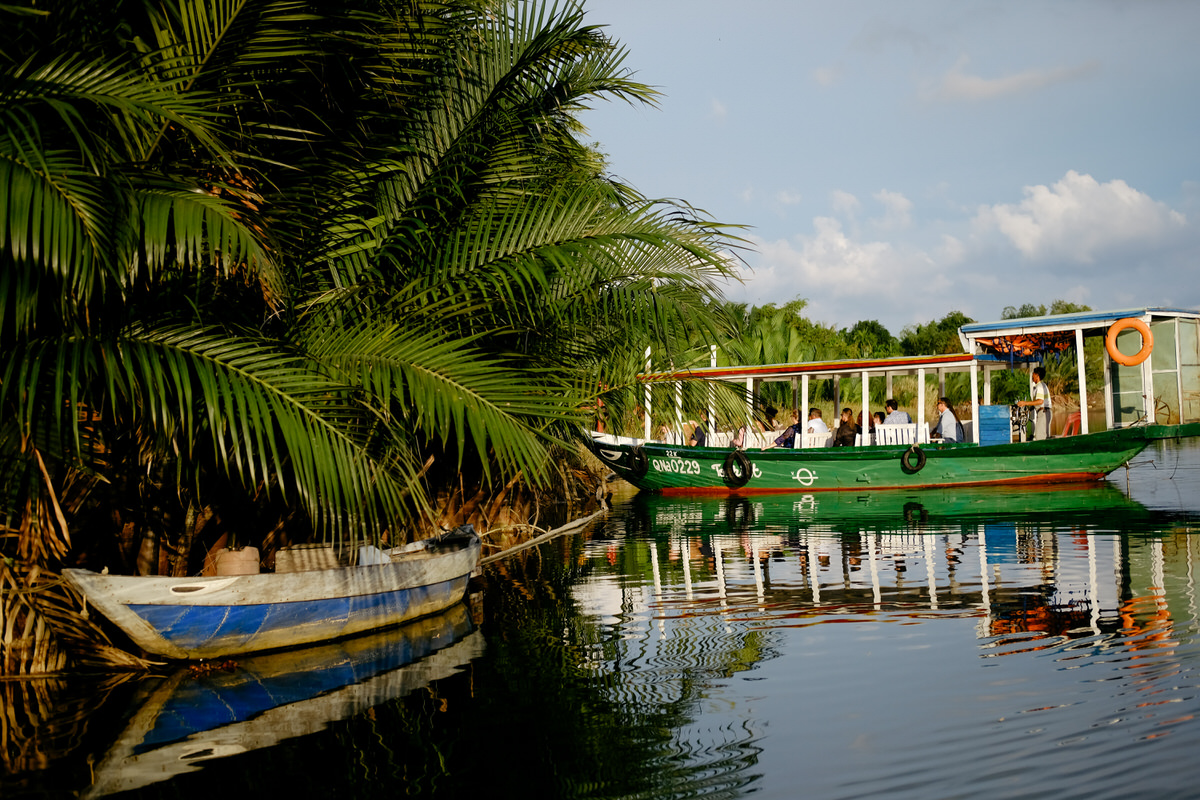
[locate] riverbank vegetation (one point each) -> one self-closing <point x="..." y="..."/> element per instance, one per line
<point x="276" y="272"/>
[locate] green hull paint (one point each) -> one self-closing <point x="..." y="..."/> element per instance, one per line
<point x="672" y="469"/>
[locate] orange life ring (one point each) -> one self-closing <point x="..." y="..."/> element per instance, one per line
<point x="1110" y="342"/>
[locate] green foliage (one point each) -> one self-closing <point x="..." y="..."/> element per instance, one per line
<point x="935" y="337"/>
<point x="870" y="339"/>
<point x="319" y="257"/>
<point x="1031" y="310"/>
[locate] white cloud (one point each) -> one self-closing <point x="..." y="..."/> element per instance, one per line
<point x="897" y="210"/>
<point x="957" y="84"/>
<point x="717" y="109"/>
<point x="787" y="197"/>
<point x="1134" y="251"/>
<point x="841" y="277"/>
<point x="951" y="251"/>
<point x="1079" y="220"/>
<point x="844" y="202"/>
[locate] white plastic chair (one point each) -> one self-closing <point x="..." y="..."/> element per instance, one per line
<point x="811" y="440"/>
<point x="897" y="434"/>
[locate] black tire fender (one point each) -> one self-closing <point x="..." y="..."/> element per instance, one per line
<point x="913" y="460"/>
<point x="639" y="465"/>
<point x="744" y="466"/>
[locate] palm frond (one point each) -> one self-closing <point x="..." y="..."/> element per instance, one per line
<point x="449" y="391"/>
<point x="265" y="415"/>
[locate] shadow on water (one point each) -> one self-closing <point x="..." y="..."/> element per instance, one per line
<point x="933" y="643"/>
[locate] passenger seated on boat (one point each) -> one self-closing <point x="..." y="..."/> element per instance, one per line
<point x="738" y="442"/>
<point x="788" y="438"/>
<point x="847" y="430"/>
<point x="895" y="416"/>
<point x="767" y="423"/>
<point x="815" y="423"/>
<point x="948" y="428"/>
<point x="699" y="436"/>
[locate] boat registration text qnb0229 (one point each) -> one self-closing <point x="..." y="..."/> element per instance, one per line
<point x="675" y="464"/>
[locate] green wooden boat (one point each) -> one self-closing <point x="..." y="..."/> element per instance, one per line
<point x="672" y="469"/>
<point x="1152" y="395"/>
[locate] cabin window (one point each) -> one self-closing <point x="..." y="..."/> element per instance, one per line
<point x="1162" y="358"/>
<point x="1189" y="370"/>
<point x="1165" y="370"/>
<point x="1166" y="398"/>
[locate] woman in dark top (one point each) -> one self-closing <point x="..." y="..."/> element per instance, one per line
<point x="788" y="437"/>
<point x="846" y="431"/>
<point x="700" y="434"/>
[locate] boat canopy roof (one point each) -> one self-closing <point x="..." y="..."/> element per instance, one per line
<point x="898" y="365"/>
<point x="1030" y="337"/>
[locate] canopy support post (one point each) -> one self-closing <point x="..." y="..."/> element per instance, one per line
<point x="866" y="408"/>
<point x="975" y="400"/>
<point x="646" y="399"/>
<point x="921" y="396"/>
<point x="711" y="391"/>
<point x="1083" y="421"/>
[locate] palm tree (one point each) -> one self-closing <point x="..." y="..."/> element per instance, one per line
<point x="298" y="268"/>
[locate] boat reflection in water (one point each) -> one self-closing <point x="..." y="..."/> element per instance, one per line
<point x="1018" y="559"/>
<point x="193" y="717"/>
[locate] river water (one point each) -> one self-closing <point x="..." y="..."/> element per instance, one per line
<point x="935" y="644"/>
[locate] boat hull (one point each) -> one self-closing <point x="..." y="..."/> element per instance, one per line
<point x="198" y="618"/>
<point x="688" y="470"/>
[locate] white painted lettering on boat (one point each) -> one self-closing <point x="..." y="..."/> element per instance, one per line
<point x="804" y="476"/>
<point x="720" y="470"/>
<point x="676" y="465"/>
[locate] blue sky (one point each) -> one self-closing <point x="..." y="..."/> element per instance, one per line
<point x="898" y="161"/>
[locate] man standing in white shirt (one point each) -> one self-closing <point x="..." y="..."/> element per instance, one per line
<point x="1039" y="400"/>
